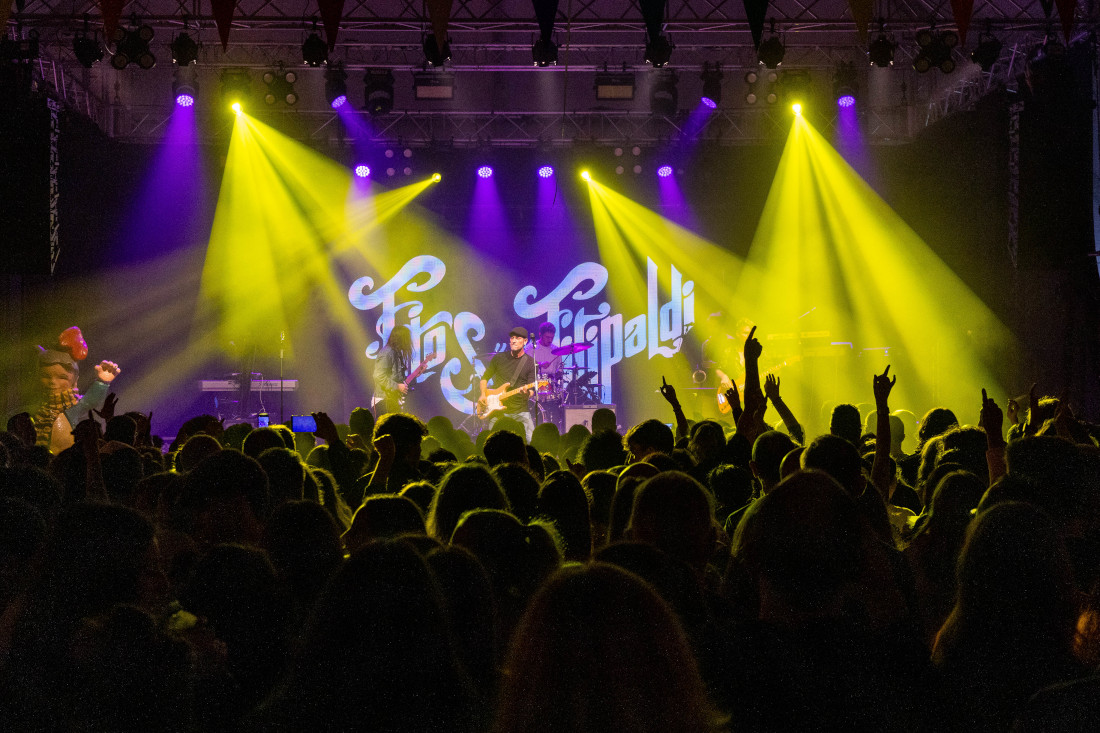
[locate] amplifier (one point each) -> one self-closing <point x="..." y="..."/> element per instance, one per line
<point x="582" y="415"/>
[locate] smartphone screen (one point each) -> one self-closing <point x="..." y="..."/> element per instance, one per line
<point x="263" y="420"/>
<point x="303" y="423"/>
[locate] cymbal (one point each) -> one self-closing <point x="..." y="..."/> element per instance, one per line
<point x="487" y="355"/>
<point x="542" y="364"/>
<point x="571" y="349"/>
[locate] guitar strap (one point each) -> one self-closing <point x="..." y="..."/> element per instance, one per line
<point x="515" y="373"/>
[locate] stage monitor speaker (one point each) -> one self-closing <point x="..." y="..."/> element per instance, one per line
<point x="582" y="415"/>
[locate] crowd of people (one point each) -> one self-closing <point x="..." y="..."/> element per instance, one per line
<point x="392" y="575"/>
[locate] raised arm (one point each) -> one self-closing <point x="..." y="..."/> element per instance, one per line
<point x="880" y="467"/>
<point x="753" y="349"/>
<point x="991" y="419"/>
<point x="771" y="391"/>
<point x="339" y="461"/>
<point x="669" y="393"/>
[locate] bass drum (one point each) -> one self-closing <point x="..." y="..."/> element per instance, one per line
<point x="551" y="389"/>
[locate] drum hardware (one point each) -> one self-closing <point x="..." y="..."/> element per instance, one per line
<point x="571" y="349"/>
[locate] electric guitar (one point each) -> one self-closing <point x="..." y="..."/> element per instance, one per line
<point x="725" y="383"/>
<point x="408" y="381"/>
<point x="495" y="397"/>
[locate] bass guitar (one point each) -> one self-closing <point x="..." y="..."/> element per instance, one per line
<point x="494" y="398"/>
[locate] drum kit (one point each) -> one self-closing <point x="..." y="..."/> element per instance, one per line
<point x="565" y="386"/>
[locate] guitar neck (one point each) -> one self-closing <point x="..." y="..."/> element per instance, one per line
<point x="517" y="390"/>
<point x="419" y="369"/>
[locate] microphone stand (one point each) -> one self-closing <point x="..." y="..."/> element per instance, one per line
<point x="282" y="384"/>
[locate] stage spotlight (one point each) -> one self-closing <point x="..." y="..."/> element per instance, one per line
<point x="280" y="87"/>
<point x="712" y="85"/>
<point x="797" y="109"/>
<point x="752" y="81"/>
<point x="132" y="47"/>
<point x="664" y="171"/>
<point x="845" y="85"/>
<point x="771" y="51"/>
<point x="314" y="50"/>
<point x="881" y="51"/>
<point x="544" y="53"/>
<point x="586" y="175"/>
<point x="378" y="91"/>
<point x="87" y="51"/>
<point x="362" y="171"/>
<point x="437" y="178"/>
<point x="236" y="85"/>
<point x="546" y="171"/>
<point x="183" y="87"/>
<point x="184" y="50"/>
<point x="433" y="54"/>
<point x="658" y="51"/>
<point x="86" y="48"/>
<point x="663" y="96"/>
<point x="236" y="107"/>
<point x="336" y="86"/>
<point x="484" y="172"/>
<point x="794" y="86"/>
<point x="987" y="51"/>
<point x="935" y="50"/>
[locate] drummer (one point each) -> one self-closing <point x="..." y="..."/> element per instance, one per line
<point x="548" y="362"/>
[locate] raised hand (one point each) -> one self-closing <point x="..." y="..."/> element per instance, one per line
<point x="386" y="448"/>
<point x="771" y="388"/>
<point x="326" y="429"/>
<point x="1032" y="425"/>
<point x="991" y="420"/>
<point x="733" y="399"/>
<point x="883" y="384"/>
<point x="106" y="371"/>
<point x="669" y="393"/>
<point x="753" y="349"/>
<point x="1012" y="411"/>
<point x="109" y="405"/>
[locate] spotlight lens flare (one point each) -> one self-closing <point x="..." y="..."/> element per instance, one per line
<point x="362" y="171"/>
<point x="184" y="100"/>
<point x="664" y="171"/>
<point x="846" y="101"/>
<point x="484" y="172"/>
<point x="707" y="101"/>
<point x="797" y="109"/>
<point x="586" y="176"/>
<point x="340" y="101"/>
<point x="236" y="107"/>
<point x="546" y="171"/>
<point x="437" y="178"/>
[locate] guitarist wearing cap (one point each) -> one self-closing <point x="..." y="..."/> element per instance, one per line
<point x="513" y="375"/>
